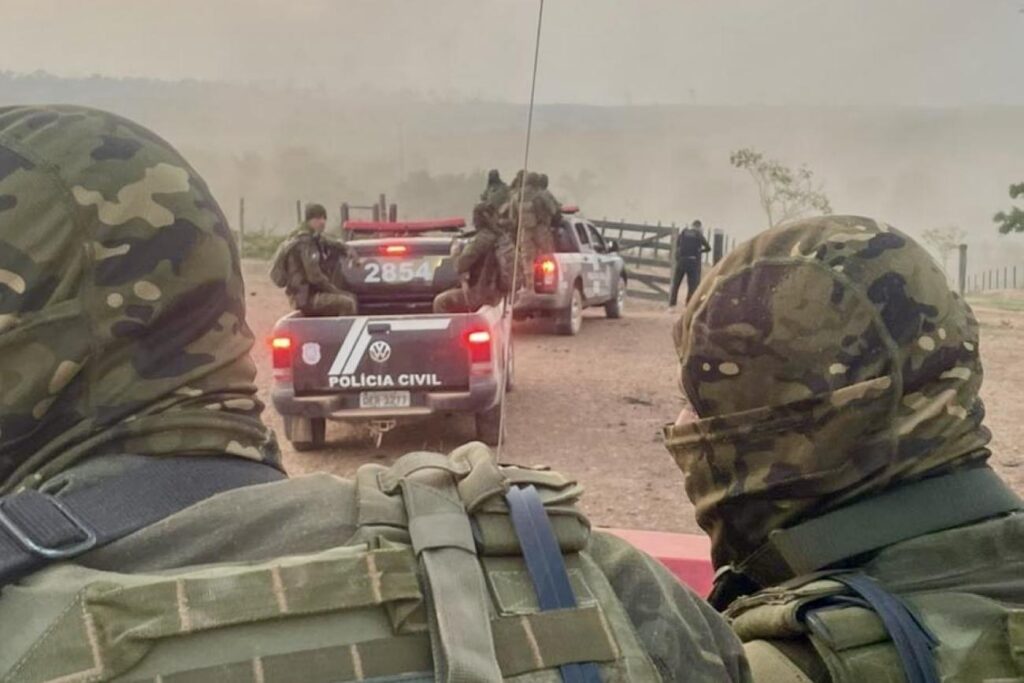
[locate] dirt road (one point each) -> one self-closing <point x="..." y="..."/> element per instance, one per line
<point x="593" y="406"/>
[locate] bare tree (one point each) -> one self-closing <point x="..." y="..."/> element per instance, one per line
<point x="944" y="241"/>
<point x="1013" y="220"/>
<point x="784" y="193"/>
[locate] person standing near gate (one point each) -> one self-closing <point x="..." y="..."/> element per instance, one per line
<point x="690" y="248"/>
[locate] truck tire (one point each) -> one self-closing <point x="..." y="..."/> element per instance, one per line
<point x="570" y="321"/>
<point x="613" y="309"/>
<point x="306" y="434"/>
<point x="488" y="425"/>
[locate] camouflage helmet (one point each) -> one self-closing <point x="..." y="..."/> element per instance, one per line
<point x="533" y="179"/>
<point x="493" y="177"/>
<point x="544" y="181"/>
<point x="826" y="360"/>
<point x="122" y="311"/>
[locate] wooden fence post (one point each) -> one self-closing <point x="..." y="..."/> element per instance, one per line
<point x="962" y="270"/>
<point x="241" y="225"/>
<point x="717" y="246"/>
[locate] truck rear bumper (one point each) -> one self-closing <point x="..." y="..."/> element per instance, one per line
<point x="532" y="303"/>
<point x="481" y="395"/>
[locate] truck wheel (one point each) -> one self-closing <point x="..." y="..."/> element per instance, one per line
<point x="488" y="425"/>
<point x="306" y="433"/>
<point x="570" y="321"/>
<point x="613" y="309"/>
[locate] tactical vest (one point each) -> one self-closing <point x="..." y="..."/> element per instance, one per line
<point x="974" y="638"/>
<point x="943" y="603"/>
<point x="279" y="264"/>
<point x="440" y="582"/>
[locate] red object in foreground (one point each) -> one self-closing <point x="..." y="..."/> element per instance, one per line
<point x="405" y="226"/>
<point x="688" y="556"/>
<point x="570" y="208"/>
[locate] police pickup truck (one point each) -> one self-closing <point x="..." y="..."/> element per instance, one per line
<point x="396" y="359"/>
<point x="585" y="270"/>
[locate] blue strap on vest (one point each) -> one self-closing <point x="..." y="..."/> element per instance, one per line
<point x="546" y="566"/>
<point x="913" y="641"/>
<point x="38" y="529"/>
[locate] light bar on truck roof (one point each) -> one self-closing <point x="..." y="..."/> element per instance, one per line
<point x="405" y="226"/>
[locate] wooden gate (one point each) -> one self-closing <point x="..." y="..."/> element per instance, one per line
<point x="647" y="250"/>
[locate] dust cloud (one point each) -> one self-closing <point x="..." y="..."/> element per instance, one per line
<point x="910" y="112"/>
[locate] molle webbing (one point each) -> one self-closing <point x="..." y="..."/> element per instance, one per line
<point x="481" y="484"/>
<point x="527" y="643"/>
<point x="910" y="511"/>
<point x="110" y="627"/>
<point x="546" y="567"/>
<point x="442" y="538"/>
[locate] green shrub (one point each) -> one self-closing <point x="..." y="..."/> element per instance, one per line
<point x="261" y="245"/>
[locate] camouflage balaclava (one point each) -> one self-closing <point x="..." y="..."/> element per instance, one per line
<point x="122" y="311"/>
<point x="826" y="360"/>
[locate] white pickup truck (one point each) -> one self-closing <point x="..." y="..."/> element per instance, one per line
<point x="585" y="270"/>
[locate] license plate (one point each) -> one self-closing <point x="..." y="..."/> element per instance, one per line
<point x="385" y="399"/>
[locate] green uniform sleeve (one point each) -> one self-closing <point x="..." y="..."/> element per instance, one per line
<point x="309" y="258"/>
<point x="478" y="248"/>
<point x="684" y="636"/>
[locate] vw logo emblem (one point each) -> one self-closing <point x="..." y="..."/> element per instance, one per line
<point x="380" y="351"/>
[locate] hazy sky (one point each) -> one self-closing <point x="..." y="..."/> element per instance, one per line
<point x="913" y="52"/>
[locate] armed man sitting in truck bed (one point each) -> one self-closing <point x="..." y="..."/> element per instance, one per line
<point x="485" y="266"/>
<point x="305" y="265"/>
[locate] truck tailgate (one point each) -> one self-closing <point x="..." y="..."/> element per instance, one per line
<point x="378" y="353"/>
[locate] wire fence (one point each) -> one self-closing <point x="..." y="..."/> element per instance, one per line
<point x="992" y="279"/>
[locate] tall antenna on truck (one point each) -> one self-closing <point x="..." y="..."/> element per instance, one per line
<point x="507" y="341"/>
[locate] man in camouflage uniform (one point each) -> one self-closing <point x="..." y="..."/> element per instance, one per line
<point x="131" y="447"/>
<point x="311" y="265"/>
<point x="485" y="277"/>
<point x="550" y="209"/>
<point x="497" y="192"/>
<point x="835" y="454"/>
<point x="532" y="213"/>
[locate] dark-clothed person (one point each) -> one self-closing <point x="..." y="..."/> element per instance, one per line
<point x="690" y="249"/>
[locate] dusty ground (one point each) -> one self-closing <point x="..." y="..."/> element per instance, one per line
<point x="593" y="406"/>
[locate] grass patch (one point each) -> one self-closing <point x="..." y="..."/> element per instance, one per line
<point x="997" y="302"/>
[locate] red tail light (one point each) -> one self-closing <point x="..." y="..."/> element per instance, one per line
<point x="393" y="250"/>
<point x="545" y="274"/>
<point x="478" y="342"/>
<point x="281" y="349"/>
